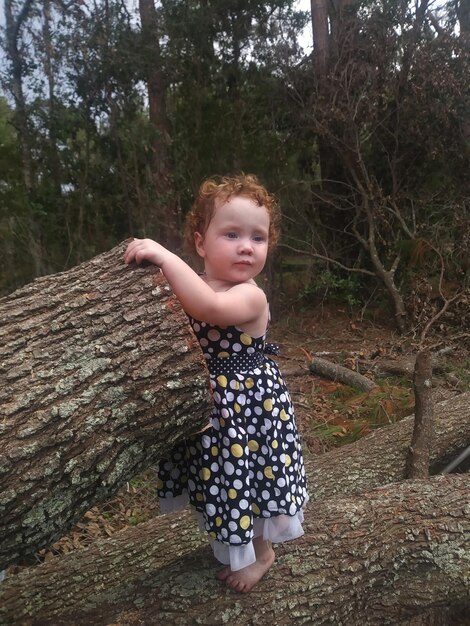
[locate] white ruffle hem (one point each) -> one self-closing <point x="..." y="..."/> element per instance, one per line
<point x="276" y="529"/>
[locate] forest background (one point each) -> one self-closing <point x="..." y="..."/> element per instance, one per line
<point x="113" y="112"/>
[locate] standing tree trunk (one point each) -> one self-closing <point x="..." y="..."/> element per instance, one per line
<point x="166" y="206"/>
<point x="101" y="373"/>
<point x="420" y="449"/>
<point x="14" y="24"/>
<point x="321" y="37"/>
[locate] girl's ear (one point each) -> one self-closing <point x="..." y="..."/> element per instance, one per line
<point x="199" y="244"/>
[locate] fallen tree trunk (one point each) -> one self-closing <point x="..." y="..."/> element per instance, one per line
<point x="336" y="372"/>
<point x="101" y="373"/>
<point x="377" y="558"/>
<point x="380" y="457"/>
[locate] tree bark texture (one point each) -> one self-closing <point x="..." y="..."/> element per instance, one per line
<point x="419" y="452"/>
<point x="380" y="458"/>
<point x="377" y="558"/>
<point x="333" y="371"/>
<point x="100" y="374"/>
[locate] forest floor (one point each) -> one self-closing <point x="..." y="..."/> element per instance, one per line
<point x="328" y="413"/>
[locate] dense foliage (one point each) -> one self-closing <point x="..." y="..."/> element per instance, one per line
<point x="113" y="112"/>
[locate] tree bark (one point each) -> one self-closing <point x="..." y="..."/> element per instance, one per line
<point x="101" y="373"/>
<point x="419" y="452"/>
<point x="378" y="558"/>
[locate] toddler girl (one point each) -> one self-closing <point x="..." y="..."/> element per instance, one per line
<point x="244" y="474"/>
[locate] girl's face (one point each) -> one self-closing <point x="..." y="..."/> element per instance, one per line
<point x="235" y="244"/>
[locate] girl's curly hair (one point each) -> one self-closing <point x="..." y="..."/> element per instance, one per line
<point x="222" y="189"/>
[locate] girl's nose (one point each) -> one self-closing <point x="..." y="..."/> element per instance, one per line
<point x="246" y="246"/>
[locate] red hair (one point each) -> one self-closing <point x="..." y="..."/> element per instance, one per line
<point x="222" y="189"/>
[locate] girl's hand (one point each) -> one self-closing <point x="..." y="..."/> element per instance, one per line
<point x="145" y="250"/>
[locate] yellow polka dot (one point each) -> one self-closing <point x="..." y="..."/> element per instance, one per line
<point x="199" y="497"/>
<point x="222" y="422"/>
<point x="232" y="493"/>
<point x="160" y="483"/>
<point x="249" y="383"/>
<point x="236" y="450"/>
<point x="218" y="521"/>
<point x="283" y="415"/>
<point x="245" y="522"/>
<point x="223" y="355"/>
<point x="268" y="404"/>
<point x="222" y="380"/>
<point x="205" y="473"/>
<point x="288" y="461"/>
<point x="253" y="445"/>
<point x="213" y="534"/>
<point x="274" y="443"/>
<point x="268" y="472"/>
<point x="236" y="407"/>
<point x="246" y="339"/>
<point x="255" y="508"/>
<point x="214" y="451"/>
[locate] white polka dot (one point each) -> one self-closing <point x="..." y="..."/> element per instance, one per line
<point x="213" y="334"/>
<point x="243" y="504"/>
<point x="228" y="468"/>
<point x="210" y="509"/>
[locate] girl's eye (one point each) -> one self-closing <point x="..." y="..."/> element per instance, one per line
<point x="258" y="238"/>
<point x="231" y="235"/>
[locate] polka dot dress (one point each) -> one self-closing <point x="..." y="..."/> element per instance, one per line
<point x="247" y="468"/>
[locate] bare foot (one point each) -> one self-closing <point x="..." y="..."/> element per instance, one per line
<point x="245" y="579"/>
<point x="223" y="573"/>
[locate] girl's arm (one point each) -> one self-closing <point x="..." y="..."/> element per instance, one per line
<point x="238" y="305"/>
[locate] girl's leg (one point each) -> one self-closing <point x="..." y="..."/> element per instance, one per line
<point x="245" y="579"/>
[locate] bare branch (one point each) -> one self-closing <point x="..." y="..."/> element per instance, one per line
<point x="315" y="255"/>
